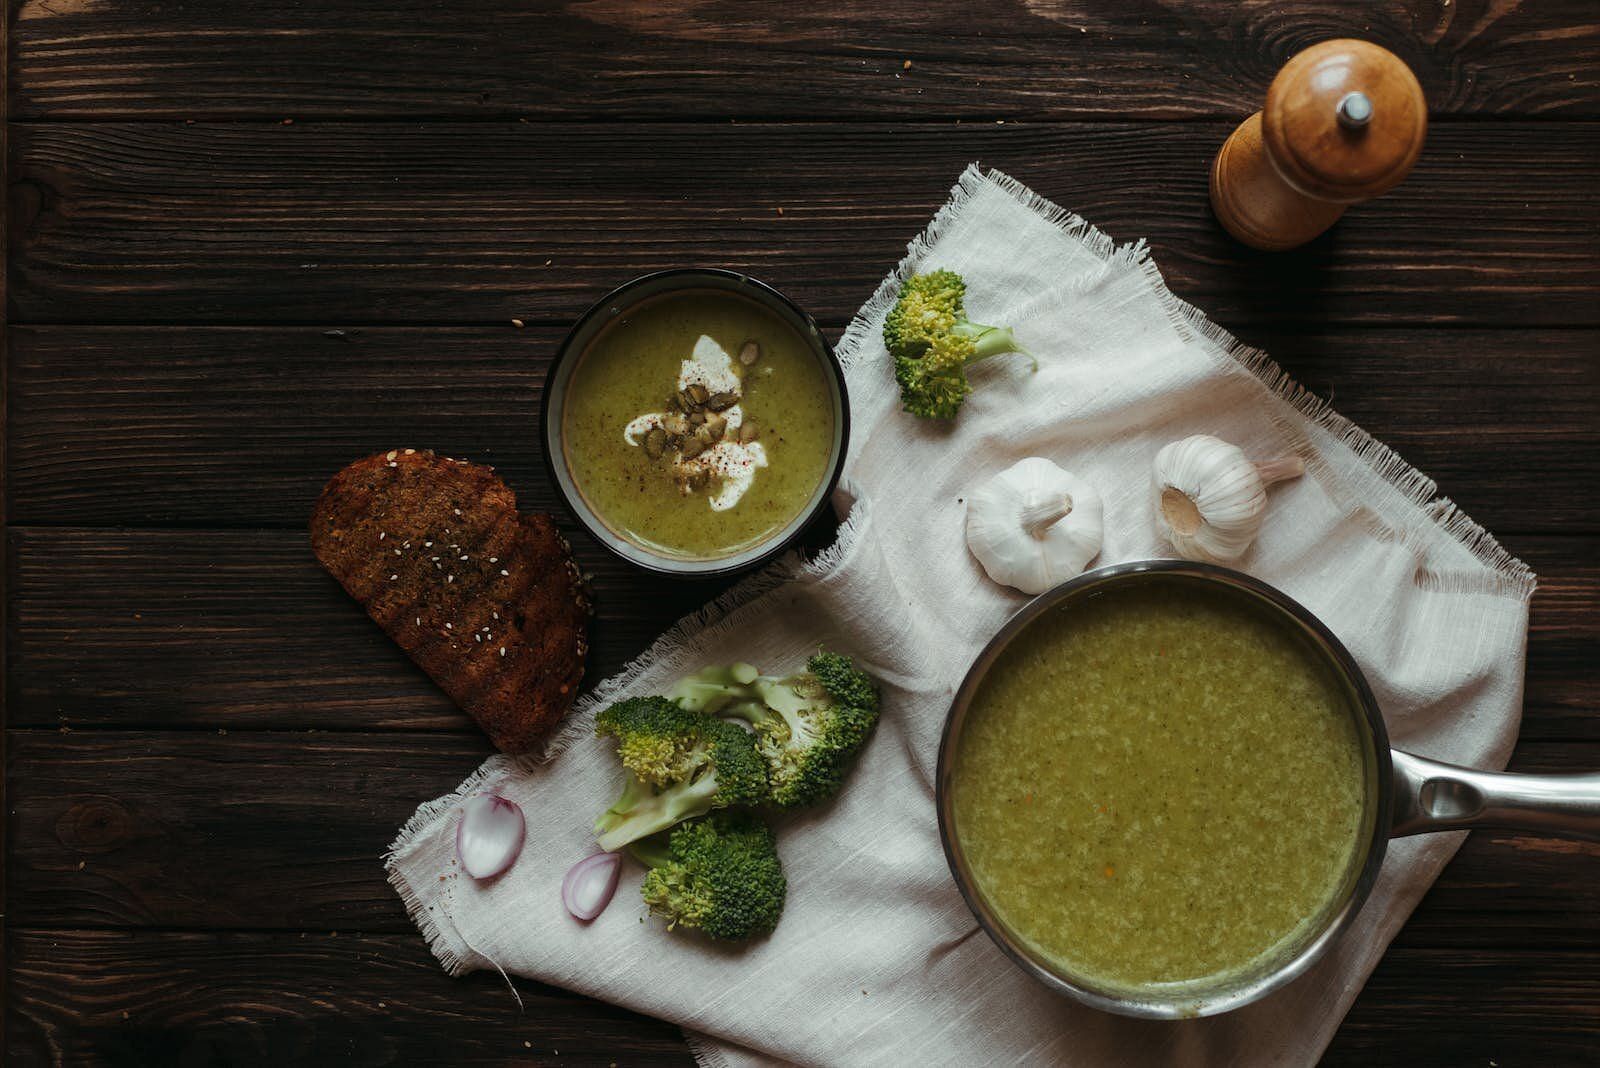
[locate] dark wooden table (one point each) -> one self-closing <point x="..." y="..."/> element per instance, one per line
<point x="249" y="242"/>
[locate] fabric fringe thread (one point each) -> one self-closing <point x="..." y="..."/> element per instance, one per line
<point x="429" y="811"/>
<point x="972" y="181"/>
<point x="704" y="1054"/>
<point x="580" y="720"/>
<point x="1508" y="576"/>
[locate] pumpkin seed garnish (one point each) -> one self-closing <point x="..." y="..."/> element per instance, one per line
<point x="750" y="352"/>
<point x="655" y="443"/>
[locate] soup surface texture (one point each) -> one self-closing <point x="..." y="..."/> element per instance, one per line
<point x="621" y="388"/>
<point x="1159" y="786"/>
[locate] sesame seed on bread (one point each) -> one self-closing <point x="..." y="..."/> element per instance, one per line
<point x="486" y="600"/>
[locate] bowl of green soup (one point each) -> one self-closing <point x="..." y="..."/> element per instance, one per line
<point x="1165" y="789"/>
<point x="695" y="421"/>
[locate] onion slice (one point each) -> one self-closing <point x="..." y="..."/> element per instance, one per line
<point x="587" y="889"/>
<point x="489" y="836"/>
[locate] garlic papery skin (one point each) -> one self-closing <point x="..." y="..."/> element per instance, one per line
<point x="1033" y="526"/>
<point x="1211" y="497"/>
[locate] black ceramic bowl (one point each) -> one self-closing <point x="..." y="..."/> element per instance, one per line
<point x="618" y="303"/>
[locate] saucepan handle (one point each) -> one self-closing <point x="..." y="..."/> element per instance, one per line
<point x="1430" y="796"/>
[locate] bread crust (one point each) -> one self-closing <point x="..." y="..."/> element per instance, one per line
<point x="485" y="600"/>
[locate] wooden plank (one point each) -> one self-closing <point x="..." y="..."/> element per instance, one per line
<point x="480" y="223"/>
<point x="240" y="427"/>
<point x="190" y="829"/>
<point x="268" y="831"/>
<point x="5" y="467"/>
<point x="1020" y="58"/>
<point x="1561" y="693"/>
<point x="144" y="998"/>
<point x="113" y="997"/>
<point x="244" y="629"/>
<point x="1446" y="1007"/>
<point x="241" y="629"/>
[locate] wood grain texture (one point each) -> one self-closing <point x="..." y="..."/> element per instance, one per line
<point x="137" y="999"/>
<point x="98" y="998"/>
<point x="210" y="744"/>
<point x="241" y="629"/>
<point x="723" y="58"/>
<point x="482" y="223"/>
<point x="248" y="631"/>
<point x="194" y="829"/>
<point x="1444" y="1007"/>
<point x="227" y="427"/>
<point x="264" y="830"/>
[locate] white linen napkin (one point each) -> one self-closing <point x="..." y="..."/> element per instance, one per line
<point x="876" y="959"/>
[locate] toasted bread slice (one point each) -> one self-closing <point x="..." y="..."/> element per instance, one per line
<point x="487" y="601"/>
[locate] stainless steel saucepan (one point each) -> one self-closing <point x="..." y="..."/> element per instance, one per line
<point x="1406" y="795"/>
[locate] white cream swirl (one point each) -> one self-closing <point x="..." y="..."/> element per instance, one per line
<point x="730" y="465"/>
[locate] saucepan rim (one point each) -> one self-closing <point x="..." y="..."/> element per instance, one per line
<point x="1179" y="1005"/>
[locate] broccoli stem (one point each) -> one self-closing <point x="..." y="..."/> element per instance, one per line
<point x="709" y="689"/>
<point x="750" y="710"/>
<point x="660" y="811"/>
<point x="801" y="734"/>
<point x="782" y="698"/>
<point x="990" y="341"/>
<point x="652" y="852"/>
<point x="633" y="792"/>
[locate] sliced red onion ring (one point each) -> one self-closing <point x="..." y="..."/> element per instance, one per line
<point x="587" y="889"/>
<point x="489" y="836"/>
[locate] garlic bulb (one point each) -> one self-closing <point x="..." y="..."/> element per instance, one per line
<point x="1034" y="525"/>
<point x="1211" y="497"/>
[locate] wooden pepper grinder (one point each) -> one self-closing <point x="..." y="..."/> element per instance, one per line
<point x="1344" y="122"/>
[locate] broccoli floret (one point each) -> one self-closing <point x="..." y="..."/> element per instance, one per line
<point x="808" y="726"/>
<point x="720" y="874"/>
<point x="932" y="342"/>
<point x="681" y="764"/>
<point x="932" y="386"/>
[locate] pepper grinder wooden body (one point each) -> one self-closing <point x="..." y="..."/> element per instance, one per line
<point x="1344" y="121"/>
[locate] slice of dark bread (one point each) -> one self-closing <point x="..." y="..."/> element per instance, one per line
<point x="487" y="601"/>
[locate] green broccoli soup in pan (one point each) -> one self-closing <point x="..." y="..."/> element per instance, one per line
<point x="698" y="424"/>
<point x="1160" y="785"/>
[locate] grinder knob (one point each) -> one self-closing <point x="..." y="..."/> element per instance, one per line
<point x="1344" y="122"/>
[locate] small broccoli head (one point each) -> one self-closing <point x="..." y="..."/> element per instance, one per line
<point x="932" y="341"/>
<point x="721" y="875"/>
<point x="681" y="763"/>
<point x="656" y="740"/>
<point x="851" y="688"/>
<point x="822" y="717"/>
<point x="929" y="306"/>
<point x="934" y="385"/>
<point x="808" y="726"/>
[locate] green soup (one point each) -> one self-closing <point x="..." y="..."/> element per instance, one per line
<point x="665" y="499"/>
<point x="1159" y="785"/>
